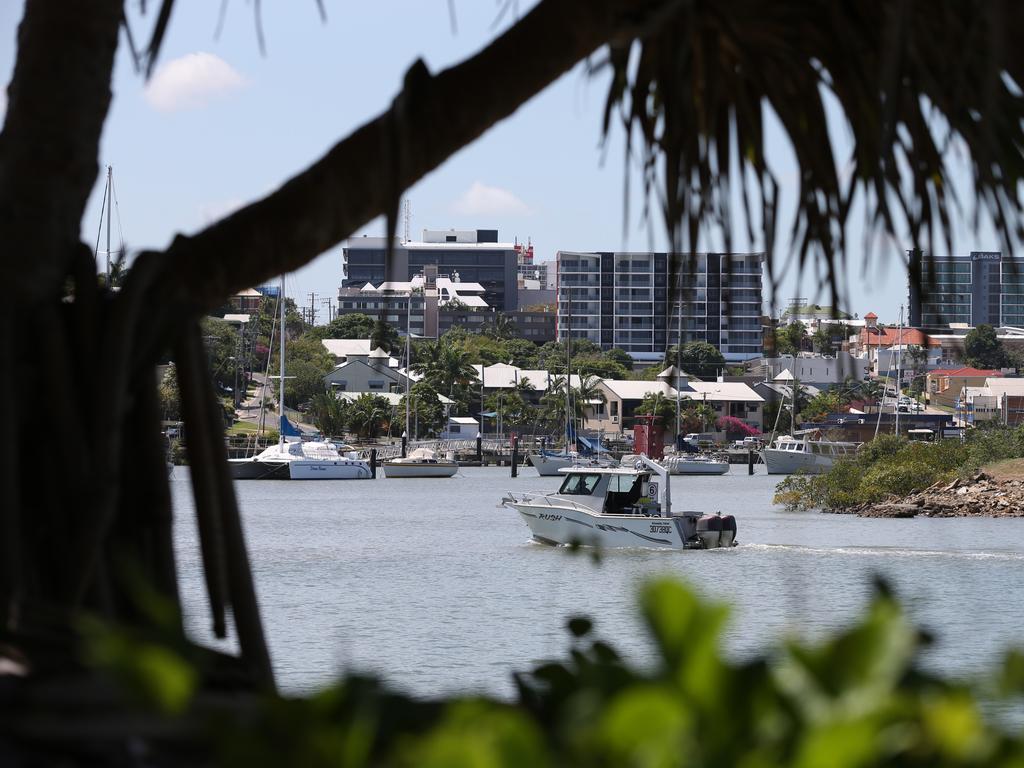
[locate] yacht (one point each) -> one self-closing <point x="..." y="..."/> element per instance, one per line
<point x="421" y="462"/>
<point x="788" y="454"/>
<point x="618" y="507"/>
<point x="292" y="458"/>
<point x="695" y="464"/>
<point x="548" y="463"/>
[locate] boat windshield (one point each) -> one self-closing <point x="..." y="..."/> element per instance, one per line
<point x="579" y="485"/>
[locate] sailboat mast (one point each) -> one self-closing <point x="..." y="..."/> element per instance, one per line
<point x="408" y="360"/>
<point x="568" y="364"/>
<point x="110" y="204"/>
<point x="899" y="369"/>
<point x="280" y="399"/>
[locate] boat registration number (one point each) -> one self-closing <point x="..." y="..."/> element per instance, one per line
<point x="661" y="528"/>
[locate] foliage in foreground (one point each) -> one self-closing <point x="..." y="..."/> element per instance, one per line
<point x="857" y="699"/>
<point x="894" y="466"/>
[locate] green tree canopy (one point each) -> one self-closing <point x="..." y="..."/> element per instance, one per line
<point x="698" y="358"/>
<point x="351" y="326"/>
<point x="982" y="348"/>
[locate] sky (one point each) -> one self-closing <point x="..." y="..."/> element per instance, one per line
<point x="220" y="125"/>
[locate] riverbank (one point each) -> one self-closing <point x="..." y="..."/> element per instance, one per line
<point x="982" y="495"/>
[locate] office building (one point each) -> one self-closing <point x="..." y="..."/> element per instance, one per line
<point x="635" y="301"/>
<point x="984" y="287"/>
<point x="475" y="254"/>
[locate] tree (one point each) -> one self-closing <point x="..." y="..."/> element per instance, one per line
<point x="656" y="404"/>
<point x="599" y="366"/>
<point x="426" y="411"/>
<point x="791" y="339"/>
<point x="369" y="415"/>
<point x="385" y="336"/>
<point x="698" y="358"/>
<point x="587" y="394"/>
<point x="351" y="326"/>
<point x="822" y="340"/>
<point x="620" y="356"/>
<point x="691" y="83"/>
<point x="982" y="348"/>
<point x="329" y="413"/>
<point x="170" y="397"/>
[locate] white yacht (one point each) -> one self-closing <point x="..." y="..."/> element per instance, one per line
<point x="421" y="462"/>
<point x="618" y="507"/>
<point x="548" y="464"/>
<point x="292" y="459"/>
<point x="695" y="464"/>
<point x="788" y="454"/>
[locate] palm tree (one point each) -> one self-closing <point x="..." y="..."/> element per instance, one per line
<point x="588" y="393"/>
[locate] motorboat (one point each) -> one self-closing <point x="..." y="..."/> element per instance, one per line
<point x="695" y="464"/>
<point x="293" y="459"/>
<point x="788" y="455"/>
<point x="618" y="507"/>
<point x="421" y="462"/>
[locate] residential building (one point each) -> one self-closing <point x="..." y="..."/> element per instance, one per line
<point x="247" y="300"/>
<point x="476" y="255"/>
<point x="983" y="287"/>
<point x="461" y="428"/>
<point x="800" y="310"/>
<point x="943" y="386"/>
<point x="344" y="349"/>
<point x="1000" y="399"/>
<point x="641" y="302"/>
<point x="366" y="373"/>
<point x="812" y="368"/>
<point x="430" y="295"/>
<point x="617" y="413"/>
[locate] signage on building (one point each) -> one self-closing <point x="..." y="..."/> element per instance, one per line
<point x="986" y="256"/>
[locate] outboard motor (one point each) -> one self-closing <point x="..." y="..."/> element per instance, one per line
<point x="728" y="531"/>
<point x="709" y="530"/>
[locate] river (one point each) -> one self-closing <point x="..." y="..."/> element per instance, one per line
<point x="429" y="585"/>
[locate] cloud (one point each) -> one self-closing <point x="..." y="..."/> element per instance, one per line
<point x="191" y="82"/>
<point x="481" y="200"/>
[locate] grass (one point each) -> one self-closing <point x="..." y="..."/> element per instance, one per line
<point x="1010" y="469"/>
<point x="243" y="428"/>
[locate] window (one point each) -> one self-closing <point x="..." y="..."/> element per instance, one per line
<point x="579" y="485"/>
<point x="377" y="384"/>
<point x="339" y="385"/>
<point x="454" y="429"/>
<point x="615" y="407"/>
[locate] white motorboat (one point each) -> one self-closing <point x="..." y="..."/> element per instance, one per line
<point x="295" y="459"/>
<point x="695" y="464"/>
<point x="618" y="507"/>
<point x="421" y="462"/>
<point x="789" y="455"/>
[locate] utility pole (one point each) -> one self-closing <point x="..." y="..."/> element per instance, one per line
<point x="329" y="302"/>
<point x="312" y="309"/>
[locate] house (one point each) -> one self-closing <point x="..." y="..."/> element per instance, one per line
<point x="343" y="349"/>
<point x="247" y="301"/>
<point x="726" y="398"/>
<point x="943" y="386"/>
<point x="461" y="428"/>
<point x="502" y="376"/>
<point x="1001" y="398"/>
<point x="366" y="373"/>
<point x="812" y="368"/>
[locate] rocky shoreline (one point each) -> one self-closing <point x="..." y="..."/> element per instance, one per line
<point x="979" y="496"/>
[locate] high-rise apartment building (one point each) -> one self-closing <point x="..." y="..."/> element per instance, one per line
<point x="984" y="287"/>
<point x="476" y="255"/>
<point x="637" y="302"/>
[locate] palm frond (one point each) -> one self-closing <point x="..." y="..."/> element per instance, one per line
<point x="914" y="80"/>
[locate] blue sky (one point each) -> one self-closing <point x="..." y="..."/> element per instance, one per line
<point x="220" y="125"/>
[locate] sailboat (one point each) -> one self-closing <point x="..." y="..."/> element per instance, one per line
<point x="291" y="458"/>
<point x="421" y="462"/>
